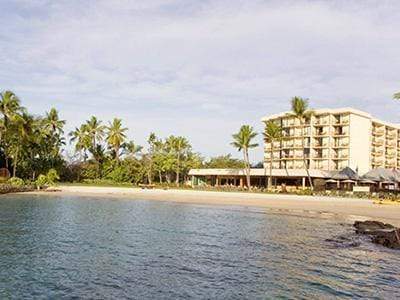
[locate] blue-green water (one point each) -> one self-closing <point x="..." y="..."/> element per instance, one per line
<point x="63" y="247"/>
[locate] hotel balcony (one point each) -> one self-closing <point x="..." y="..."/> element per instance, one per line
<point x="377" y="142"/>
<point x="391" y="135"/>
<point x="390" y="145"/>
<point x="319" y="145"/>
<point x="341" y="121"/>
<point x="321" y="121"/>
<point x="390" y="155"/>
<point x="378" y="132"/>
<point x="340" y="157"/>
<point x="320" y="133"/>
<point x="377" y="160"/>
<point x="376" y="152"/>
<point x="341" y="145"/>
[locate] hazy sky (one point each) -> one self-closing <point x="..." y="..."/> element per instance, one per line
<point x="199" y="68"/>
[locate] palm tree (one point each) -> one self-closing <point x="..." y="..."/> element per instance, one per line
<point x="396" y="96"/>
<point x="9" y="106"/>
<point x="116" y="136"/>
<point x="131" y="149"/>
<point x="52" y="122"/>
<point x="152" y="145"/>
<point x="82" y="140"/>
<point x="179" y="146"/>
<point x="95" y="131"/>
<point x="301" y="111"/>
<point x="243" y="141"/>
<point x="22" y="129"/>
<point x="272" y="134"/>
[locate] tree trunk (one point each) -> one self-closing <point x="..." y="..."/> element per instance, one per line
<point x="168" y="178"/>
<point x="160" y="177"/>
<point x="246" y="159"/>
<point x="15" y="161"/>
<point x="117" y="153"/>
<point x="178" y="169"/>
<point x="270" y="167"/>
<point x="304" y="156"/>
<point x="150" y="172"/>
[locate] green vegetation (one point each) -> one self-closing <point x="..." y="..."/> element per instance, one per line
<point x="272" y="134"/>
<point x="301" y="111"/>
<point x="31" y="148"/>
<point x="224" y="162"/>
<point x="243" y="141"/>
<point x="396" y="96"/>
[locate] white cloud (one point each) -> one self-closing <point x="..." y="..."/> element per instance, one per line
<point x="199" y="68"/>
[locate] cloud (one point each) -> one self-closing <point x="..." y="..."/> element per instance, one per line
<point x="199" y="68"/>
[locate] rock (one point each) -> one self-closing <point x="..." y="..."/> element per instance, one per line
<point x="383" y="234"/>
<point x="390" y="239"/>
<point x="370" y="227"/>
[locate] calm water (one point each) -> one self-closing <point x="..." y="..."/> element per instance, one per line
<point x="62" y="247"/>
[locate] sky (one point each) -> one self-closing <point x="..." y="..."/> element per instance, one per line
<point x="200" y="69"/>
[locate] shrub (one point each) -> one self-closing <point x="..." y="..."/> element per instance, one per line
<point x="15" y="181"/>
<point x="41" y="181"/>
<point x="52" y="177"/>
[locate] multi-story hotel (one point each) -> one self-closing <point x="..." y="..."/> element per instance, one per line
<point x="334" y="139"/>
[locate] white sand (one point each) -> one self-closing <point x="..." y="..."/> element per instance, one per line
<point x="347" y="207"/>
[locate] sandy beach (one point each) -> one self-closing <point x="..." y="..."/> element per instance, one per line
<point x="345" y="207"/>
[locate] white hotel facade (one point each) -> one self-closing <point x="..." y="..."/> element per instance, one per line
<point x="334" y="139"/>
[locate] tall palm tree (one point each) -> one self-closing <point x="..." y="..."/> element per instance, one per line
<point x="95" y="131"/>
<point x="9" y="106"/>
<point x="243" y="141"/>
<point x="301" y="111"/>
<point x="82" y="140"/>
<point x="52" y="122"/>
<point x="116" y="136"/>
<point x="22" y="129"/>
<point x="272" y="134"/>
<point x="152" y="145"/>
<point x="179" y="146"/>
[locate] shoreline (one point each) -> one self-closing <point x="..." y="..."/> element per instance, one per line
<point x="351" y="208"/>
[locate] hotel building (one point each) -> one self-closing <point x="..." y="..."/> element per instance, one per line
<point x="334" y="139"/>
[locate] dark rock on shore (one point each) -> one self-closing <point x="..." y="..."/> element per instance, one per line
<point x="383" y="234"/>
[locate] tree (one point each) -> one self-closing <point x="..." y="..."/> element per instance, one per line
<point x="396" y="96"/>
<point x="116" y="136"/>
<point x="82" y="140"/>
<point x="179" y="146"/>
<point x="152" y="140"/>
<point x="225" y="162"/>
<point x="130" y="149"/>
<point x="243" y="141"/>
<point x="95" y="131"/>
<point x="22" y="129"/>
<point x="272" y="134"/>
<point x="9" y="107"/>
<point x="301" y="111"/>
<point x="52" y="123"/>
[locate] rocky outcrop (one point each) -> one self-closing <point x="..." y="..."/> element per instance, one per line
<point x="383" y="234"/>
